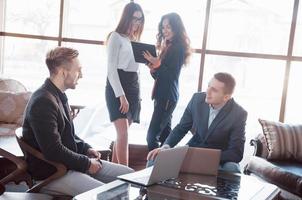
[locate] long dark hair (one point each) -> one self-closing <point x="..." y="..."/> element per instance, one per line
<point x="126" y="20"/>
<point x="180" y="34"/>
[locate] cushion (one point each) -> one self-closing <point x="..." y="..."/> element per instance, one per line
<point x="284" y="141"/>
<point x="11" y="85"/>
<point x="263" y="149"/>
<point x="12" y="106"/>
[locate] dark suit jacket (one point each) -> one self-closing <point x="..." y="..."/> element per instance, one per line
<point x="167" y="75"/>
<point x="48" y="128"/>
<point x="227" y="131"/>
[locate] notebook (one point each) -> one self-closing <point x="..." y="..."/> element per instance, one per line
<point x="167" y="165"/>
<point x="138" y="48"/>
<point x="201" y="161"/>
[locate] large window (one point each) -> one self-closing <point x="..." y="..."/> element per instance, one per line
<point x="249" y="39"/>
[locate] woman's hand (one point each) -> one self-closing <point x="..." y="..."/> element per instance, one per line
<point x="124" y="108"/>
<point x="154" y="62"/>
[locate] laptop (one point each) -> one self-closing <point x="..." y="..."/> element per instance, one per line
<point x="167" y="165"/>
<point x="138" y="48"/>
<point x="201" y="161"/>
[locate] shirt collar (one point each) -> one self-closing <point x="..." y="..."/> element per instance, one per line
<point x="61" y="94"/>
<point x="216" y="109"/>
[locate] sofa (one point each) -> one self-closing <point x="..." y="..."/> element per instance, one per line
<point x="277" y="157"/>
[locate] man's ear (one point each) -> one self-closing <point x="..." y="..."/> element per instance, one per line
<point x="227" y="97"/>
<point x="62" y="72"/>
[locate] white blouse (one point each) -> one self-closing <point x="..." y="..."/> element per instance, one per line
<point x="120" y="56"/>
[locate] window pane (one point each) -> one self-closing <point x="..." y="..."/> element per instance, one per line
<point x="294" y="98"/>
<point x="298" y="35"/>
<point x="258" y="26"/>
<point x="24" y="60"/>
<point x="39" y="17"/>
<point x="93" y="20"/>
<point x="258" y="88"/>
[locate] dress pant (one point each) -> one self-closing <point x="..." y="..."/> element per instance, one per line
<point x="74" y="182"/>
<point x="160" y="125"/>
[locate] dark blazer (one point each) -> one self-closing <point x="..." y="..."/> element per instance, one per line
<point x="48" y="128"/>
<point x="167" y="75"/>
<point x="226" y="132"/>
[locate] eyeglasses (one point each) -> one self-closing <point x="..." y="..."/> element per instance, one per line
<point x="137" y="19"/>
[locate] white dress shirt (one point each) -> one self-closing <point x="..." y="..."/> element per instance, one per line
<point x="120" y="56"/>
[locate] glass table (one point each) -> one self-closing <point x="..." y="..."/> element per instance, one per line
<point x="188" y="186"/>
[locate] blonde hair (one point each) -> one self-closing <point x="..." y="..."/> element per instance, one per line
<point x="59" y="56"/>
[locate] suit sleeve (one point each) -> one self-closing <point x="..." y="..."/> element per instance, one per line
<point x="174" y="59"/>
<point x="235" y="150"/>
<point x="81" y="145"/>
<point x="182" y="127"/>
<point x="171" y="63"/>
<point x="44" y="122"/>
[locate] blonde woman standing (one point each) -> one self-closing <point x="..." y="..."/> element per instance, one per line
<point x="122" y="88"/>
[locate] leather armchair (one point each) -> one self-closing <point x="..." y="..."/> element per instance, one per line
<point x="20" y="174"/>
<point x="60" y="168"/>
<point x="287" y="175"/>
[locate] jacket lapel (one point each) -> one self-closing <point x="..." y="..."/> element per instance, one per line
<point x="221" y="115"/>
<point x="62" y="110"/>
<point x="204" y="112"/>
<point x="52" y="90"/>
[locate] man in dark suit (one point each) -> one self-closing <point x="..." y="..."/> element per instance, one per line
<point x="217" y="120"/>
<point x="48" y="127"/>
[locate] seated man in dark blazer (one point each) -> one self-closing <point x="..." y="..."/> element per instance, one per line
<point x="48" y="127"/>
<point x="218" y="122"/>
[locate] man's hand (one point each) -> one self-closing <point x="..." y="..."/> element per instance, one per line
<point x="95" y="166"/>
<point x="152" y="154"/>
<point x="92" y="153"/>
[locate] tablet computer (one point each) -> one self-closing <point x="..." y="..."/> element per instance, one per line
<point x="138" y="48"/>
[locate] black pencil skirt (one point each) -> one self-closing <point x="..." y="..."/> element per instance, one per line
<point x="130" y="84"/>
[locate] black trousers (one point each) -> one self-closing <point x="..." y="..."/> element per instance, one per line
<point x="160" y="125"/>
